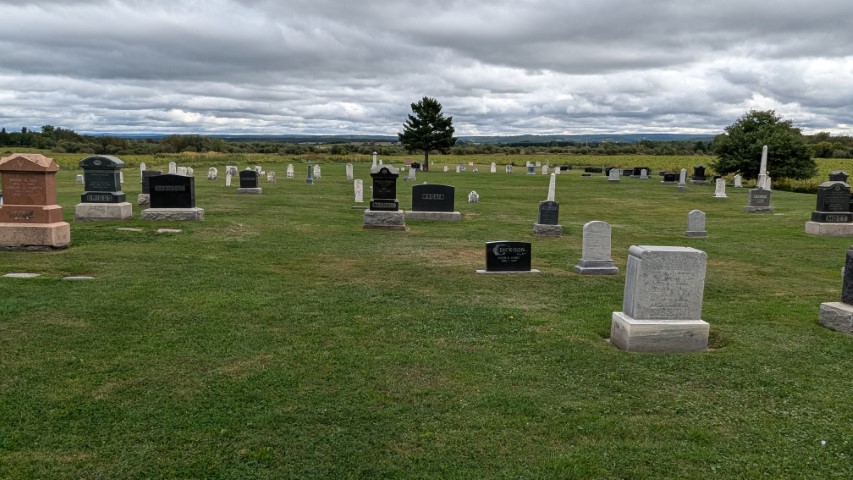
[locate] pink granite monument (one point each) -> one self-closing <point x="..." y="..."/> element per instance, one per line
<point x="29" y="216"/>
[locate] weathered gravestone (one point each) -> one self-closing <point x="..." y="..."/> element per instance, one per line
<point x="838" y="316"/>
<point x="613" y="176"/>
<point x="212" y="173"/>
<point x="662" y="305"/>
<point x="249" y="183"/>
<point x="172" y="198"/>
<point x="832" y="217"/>
<point x="433" y="202"/>
<point x="102" y="198"/>
<point x="349" y="171"/>
<point x="384" y="212"/>
<point x="737" y="181"/>
<point x="29" y="215"/>
<point x="289" y="172"/>
<point x="79" y="180"/>
<point x="838" y="176"/>
<point x="493" y="168"/>
<point x="310" y="179"/>
<point x="720" y="188"/>
<point x="595" y="255"/>
<point x="173" y="168"/>
<point x="508" y="257"/>
<point x="696" y="224"/>
<point x="758" y="201"/>
<point x="358" y="187"/>
<point x="473" y="197"/>
<point x="508" y="168"/>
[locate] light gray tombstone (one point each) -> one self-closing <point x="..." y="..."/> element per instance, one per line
<point x="289" y="172"/>
<point x="662" y="305"/>
<point x="181" y="170"/>
<point x="212" y="173"/>
<point x="475" y="170"/>
<point x="80" y="180"/>
<point x="317" y="172"/>
<point x="374" y="160"/>
<point x="358" y="186"/>
<point x="173" y="167"/>
<point x="142" y="168"/>
<point x="720" y="188"/>
<point x="259" y="169"/>
<point x="644" y="174"/>
<point x="538" y="164"/>
<point x="380" y="162"/>
<point x="446" y="169"/>
<point x="508" y="168"/>
<point x="494" y="168"/>
<point x="595" y="255"/>
<point x="768" y="183"/>
<point x="738" y="181"/>
<point x="682" y="179"/>
<point x="190" y="171"/>
<point x="458" y="168"/>
<point x="473" y="197"/>
<point x="271" y="177"/>
<point x="696" y="224"/>
<point x="228" y="178"/>
<point x="232" y="170"/>
<point x="544" y="169"/>
<point x="557" y="169"/>
<point x="349" y="171"/>
<point x="411" y="174"/>
<point x="614" y="175"/>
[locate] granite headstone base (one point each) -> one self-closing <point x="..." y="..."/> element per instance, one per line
<point x="759" y="209"/>
<point x="837" y="316"/>
<point x="677" y="336"/>
<point x="103" y="211"/>
<point x="433" y="216"/>
<point x="384" y="220"/>
<point x="519" y="272"/>
<point x="696" y="233"/>
<point x="143" y="199"/>
<point x="829" y="229"/>
<point x="174" y="214"/>
<point x="544" y="230"/>
<point x="595" y="267"/>
<point x="35" y="236"/>
<point x="250" y="191"/>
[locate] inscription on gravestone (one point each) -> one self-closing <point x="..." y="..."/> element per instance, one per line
<point x="248" y="179"/>
<point x="384" y="190"/>
<point x="508" y="256"/>
<point x="549" y="213"/>
<point x="102" y="179"/>
<point x="833" y="203"/>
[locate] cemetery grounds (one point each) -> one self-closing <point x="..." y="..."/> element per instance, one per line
<point x="278" y="339"/>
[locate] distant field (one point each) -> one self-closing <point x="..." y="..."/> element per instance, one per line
<point x="277" y="339"/>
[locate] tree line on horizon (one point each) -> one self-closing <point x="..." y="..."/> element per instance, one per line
<point x="62" y="140"/>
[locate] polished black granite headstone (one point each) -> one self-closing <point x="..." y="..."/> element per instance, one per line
<point x="508" y="256"/>
<point x="101" y="179"/>
<point x="172" y="191"/>
<point x="433" y="198"/>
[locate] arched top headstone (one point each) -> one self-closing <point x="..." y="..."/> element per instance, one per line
<point x="102" y="162"/>
<point x="28" y="162"/>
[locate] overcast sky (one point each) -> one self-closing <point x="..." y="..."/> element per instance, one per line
<point x="354" y="67"/>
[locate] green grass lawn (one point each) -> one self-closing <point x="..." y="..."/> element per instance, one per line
<point x="277" y="339"/>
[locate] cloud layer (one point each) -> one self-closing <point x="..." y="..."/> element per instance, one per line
<point x="498" y="67"/>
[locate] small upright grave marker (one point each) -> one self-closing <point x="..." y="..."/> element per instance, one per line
<point x="720" y="188"/>
<point x="249" y="183"/>
<point x="696" y="224"/>
<point x="595" y="256"/>
<point x="508" y="257"/>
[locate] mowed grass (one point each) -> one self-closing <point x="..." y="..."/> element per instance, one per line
<point x="277" y="339"/>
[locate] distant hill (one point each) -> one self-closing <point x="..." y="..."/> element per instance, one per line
<point x="480" y="139"/>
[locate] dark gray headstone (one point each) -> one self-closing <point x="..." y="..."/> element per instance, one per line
<point x="759" y="198"/>
<point x="670" y="177"/>
<point x="101" y="179"/>
<point x="248" y="179"/>
<point x="145" y="179"/>
<point x="549" y="213"/>
<point x="833" y="203"/>
<point x="172" y="191"/>
<point x="838" y="176"/>
<point x="847" y="287"/>
<point x="433" y="198"/>
<point x="508" y="256"/>
<point x="699" y="172"/>
<point x="628" y="172"/>
<point x="384" y="190"/>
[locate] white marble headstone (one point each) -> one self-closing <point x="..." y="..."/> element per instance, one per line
<point x="720" y="188"/>
<point x="228" y="179"/>
<point x="696" y="224"/>
<point x="595" y="253"/>
<point x="494" y="168"/>
<point x="358" y="185"/>
<point x="212" y="173"/>
<point x="738" y="181"/>
<point x="349" y="171"/>
<point x="173" y="167"/>
<point x="473" y="197"/>
<point x="289" y="172"/>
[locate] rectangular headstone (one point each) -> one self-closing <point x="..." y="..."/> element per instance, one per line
<point x="549" y="213"/>
<point x="249" y="179"/>
<point x="433" y="198"/>
<point x="172" y="191"/>
<point x="833" y="203"/>
<point x="595" y="259"/>
<point x="508" y="256"/>
<point x="664" y="283"/>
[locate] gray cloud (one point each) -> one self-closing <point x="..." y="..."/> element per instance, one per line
<point x="498" y="67"/>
